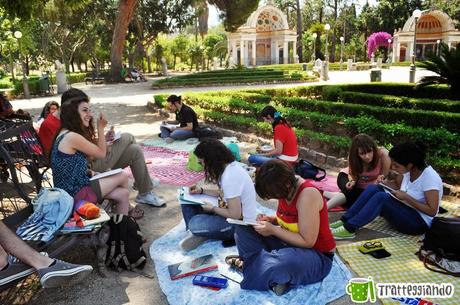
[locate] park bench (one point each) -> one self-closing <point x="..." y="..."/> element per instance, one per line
<point x="94" y="80"/>
<point x="24" y="171"/>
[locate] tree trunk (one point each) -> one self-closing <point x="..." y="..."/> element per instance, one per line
<point x="149" y="63"/>
<point x="124" y="15"/>
<point x="299" y="32"/>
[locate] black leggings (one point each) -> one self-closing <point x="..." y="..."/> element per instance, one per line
<point x="350" y="195"/>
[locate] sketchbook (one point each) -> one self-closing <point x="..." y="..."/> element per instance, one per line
<point x="106" y="174"/>
<point x="192" y="266"/>
<point x="389" y="190"/>
<point x="168" y="126"/>
<point x="241" y="222"/>
<point x="186" y="198"/>
<point x="116" y="137"/>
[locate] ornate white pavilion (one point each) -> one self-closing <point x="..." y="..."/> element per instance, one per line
<point x="264" y="39"/>
<point x="432" y="26"/>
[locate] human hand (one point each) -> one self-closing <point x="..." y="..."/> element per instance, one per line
<point x="264" y="228"/>
<point x="101" y="121"/>
<point x="263" y="217"/>
<point x="208" y="207"/>
<point x="195" y="190"/>
<point x="350" y="184"/>
<point x="401" y="195"/>
<point x="110" y="135"/>
<point x="380" y="178"/>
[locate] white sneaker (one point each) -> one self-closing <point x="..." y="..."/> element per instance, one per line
<point x="150" y="198"/>
<point x="191" y="241"/>
<point x="155" y="183"/>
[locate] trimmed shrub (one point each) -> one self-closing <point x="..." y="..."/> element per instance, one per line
<point x="398" y="102"/>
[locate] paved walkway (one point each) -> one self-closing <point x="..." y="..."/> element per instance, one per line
<point x="137" y="94"/>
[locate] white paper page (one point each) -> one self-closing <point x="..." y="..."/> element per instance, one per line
<point x="106" y="174"/>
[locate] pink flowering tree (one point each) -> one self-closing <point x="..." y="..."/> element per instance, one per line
<point x="376" y="40"/>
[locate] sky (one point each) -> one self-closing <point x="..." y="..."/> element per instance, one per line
<point x="214" y="14"/>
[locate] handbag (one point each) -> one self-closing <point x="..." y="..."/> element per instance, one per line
<point x="308" y="170"/>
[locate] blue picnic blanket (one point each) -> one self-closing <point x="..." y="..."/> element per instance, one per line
<point x="166" y="251"/>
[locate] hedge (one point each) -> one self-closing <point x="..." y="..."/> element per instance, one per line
<point x="238" y="109"/>
<point x="398" y="89"/>
<point x="442" y="141"/>
<point x="424" y="118"/>
<point x="398" y="102"/>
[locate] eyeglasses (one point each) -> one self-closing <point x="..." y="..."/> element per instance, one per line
<point x="372" y="244"/>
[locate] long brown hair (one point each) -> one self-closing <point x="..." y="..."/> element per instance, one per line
<point x="70" y="118"/>
<point x="365" y="143"/>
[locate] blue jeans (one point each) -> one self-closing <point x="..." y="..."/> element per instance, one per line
<point x="258" y="160"/>
<point x="374" y="201"/>
<point x="202" y="224"/>
<point x="269" y="261"/>
<point x="177" y="134"/>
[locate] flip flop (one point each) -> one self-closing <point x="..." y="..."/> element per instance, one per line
<point x="136" y="213"/>
<point x="235" y="262"/>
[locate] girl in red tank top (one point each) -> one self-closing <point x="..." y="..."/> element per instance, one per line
<point x="296" y="246"/>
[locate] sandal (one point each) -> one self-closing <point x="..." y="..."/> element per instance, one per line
<point x="136" y="213"/>
<point x="235" y="262"/>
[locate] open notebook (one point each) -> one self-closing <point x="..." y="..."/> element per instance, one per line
<point x="186" y="198"/>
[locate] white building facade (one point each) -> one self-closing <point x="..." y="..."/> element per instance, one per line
<point x="264" y="39"/>
<point x="432" y="26"/>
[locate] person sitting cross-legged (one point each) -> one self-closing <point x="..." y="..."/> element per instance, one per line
<point x="294" y="248"/>
<point x="52" y="272"/>
<point x="120" y="154"/>
<point x="208" y="221"/>
<point x="418" y="185"/>
<point x="185" y="117"/>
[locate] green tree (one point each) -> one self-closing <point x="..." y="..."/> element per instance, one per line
<point x="235" y="12"/>
<point x="446" y="66"/>
<point x="179" y="48"/>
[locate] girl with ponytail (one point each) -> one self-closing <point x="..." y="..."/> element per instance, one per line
<point x="284" y="139"/>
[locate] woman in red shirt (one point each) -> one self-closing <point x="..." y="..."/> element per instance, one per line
<point x="296" y="246"/>
<point x="284" y="138"/>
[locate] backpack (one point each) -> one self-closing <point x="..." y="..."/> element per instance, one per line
<point x="307" y="170"/>
<point x="440" y="251"/>
<point x="125" y="244"/>
<point x="206" y="131"/>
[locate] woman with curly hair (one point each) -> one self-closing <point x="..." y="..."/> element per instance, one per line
<point x="368" y="164"/>
<point x="235" y="187"/>
<point x="74" y="144"/>
<point x="284" y="139"/>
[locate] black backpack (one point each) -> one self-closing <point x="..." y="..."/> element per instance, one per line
<point x="441" y="246"/>
<point x="125" y="244"/>
<point x="307" y="170"/>
<point x="206" y="131"/>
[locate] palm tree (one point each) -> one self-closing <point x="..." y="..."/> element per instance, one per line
<point x="446" y="65"/>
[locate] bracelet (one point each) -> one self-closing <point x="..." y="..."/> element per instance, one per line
<point x="202" y="191"/>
